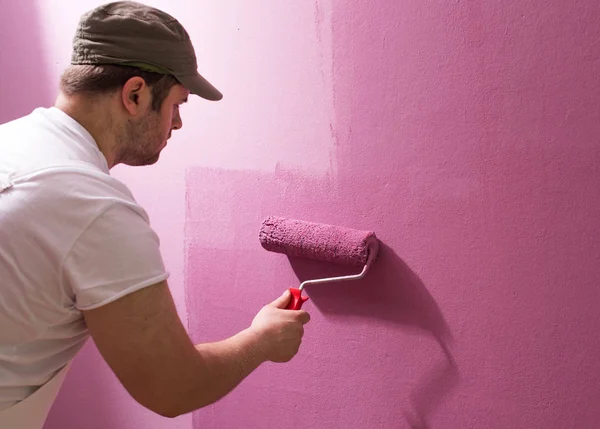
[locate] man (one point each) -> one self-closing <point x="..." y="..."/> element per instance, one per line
<point x="77" y="254"/>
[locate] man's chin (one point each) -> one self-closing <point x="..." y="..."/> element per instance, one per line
<point x="143" y="162"/>
<point x="152" y="160"/>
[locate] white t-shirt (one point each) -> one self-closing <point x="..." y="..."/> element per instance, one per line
<point x="72" y="238"/>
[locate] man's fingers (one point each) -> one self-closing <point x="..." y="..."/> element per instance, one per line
<point x="283" y="300"/>
<point x="303" y="316"/>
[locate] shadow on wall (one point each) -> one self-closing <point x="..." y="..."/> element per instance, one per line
<point x="83" y="402"/>
<point x="23" y="79"/>
<point x="392" y="292"/>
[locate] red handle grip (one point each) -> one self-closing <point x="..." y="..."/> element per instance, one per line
<point x="297" y="299"/>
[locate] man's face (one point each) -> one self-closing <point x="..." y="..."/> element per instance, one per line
<point x="146" y="137"/>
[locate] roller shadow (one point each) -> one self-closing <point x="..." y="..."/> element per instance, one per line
<point x="431" y="391"/>
<point x="391" y="291"/>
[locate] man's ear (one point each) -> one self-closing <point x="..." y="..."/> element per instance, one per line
<point x="135" y="95"/>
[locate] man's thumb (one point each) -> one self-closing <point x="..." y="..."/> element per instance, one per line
<point x="283" y="300"/>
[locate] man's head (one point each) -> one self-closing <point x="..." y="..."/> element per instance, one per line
<point x="139" y="109"/>
<point x="139" y="63"/>
<point x="133" y="34"/>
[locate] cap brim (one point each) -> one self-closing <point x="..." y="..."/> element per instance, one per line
<point x="200" y="86"/>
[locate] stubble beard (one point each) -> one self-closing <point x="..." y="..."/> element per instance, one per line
<point x="138" y="141"/>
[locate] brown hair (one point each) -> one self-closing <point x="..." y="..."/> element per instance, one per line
<point x="104" y="78"/>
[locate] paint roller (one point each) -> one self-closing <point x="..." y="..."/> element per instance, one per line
<point x="322" y="242"/>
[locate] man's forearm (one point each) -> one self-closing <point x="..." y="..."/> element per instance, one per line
<point x="220" y="367"/>
<point x="143" y="340"/>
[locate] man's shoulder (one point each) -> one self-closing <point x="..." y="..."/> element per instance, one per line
<point x="73" y="178"/>
<point x="76" y="193"/>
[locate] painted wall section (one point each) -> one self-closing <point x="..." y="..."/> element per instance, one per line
<point x="466" y="136"/>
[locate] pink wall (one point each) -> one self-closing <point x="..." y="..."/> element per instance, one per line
<point x="23" y="70"/>
<point x="463" y="133"/>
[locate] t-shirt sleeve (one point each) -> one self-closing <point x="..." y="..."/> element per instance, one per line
<point x="116" y="254"/>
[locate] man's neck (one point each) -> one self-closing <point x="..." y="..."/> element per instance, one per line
<point x="94" y="116"/>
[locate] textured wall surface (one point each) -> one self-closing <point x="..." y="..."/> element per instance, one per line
<point x="464" y="133"/>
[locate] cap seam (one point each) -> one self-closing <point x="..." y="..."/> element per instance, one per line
<point x="86" y="52"/>
<point x="157" y="19"/>
<point x="82" y="32"/>
<point x="188" y="75"/>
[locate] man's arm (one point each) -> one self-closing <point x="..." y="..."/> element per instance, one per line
<point x="142" y="339"/>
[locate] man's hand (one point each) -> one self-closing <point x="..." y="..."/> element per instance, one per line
<point x="280" y="331"/>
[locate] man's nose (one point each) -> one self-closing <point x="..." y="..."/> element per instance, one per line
<point x="177" y="123"/>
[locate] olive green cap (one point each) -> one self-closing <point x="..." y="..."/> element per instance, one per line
<point x="133" y="34"/>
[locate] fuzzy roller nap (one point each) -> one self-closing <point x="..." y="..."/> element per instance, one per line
<point x="321" y="242"/>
